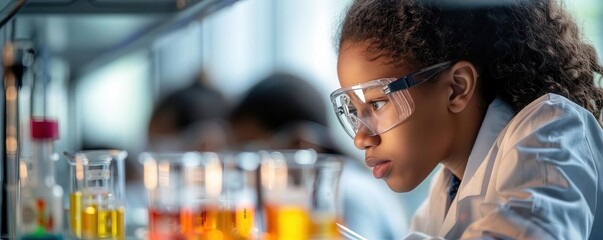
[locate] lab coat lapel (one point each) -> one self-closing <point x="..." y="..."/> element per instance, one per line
<point x="462" y="209"/>
<point x="497" y="117"/>
<point x="432" y="223"/>
<point x="450" y="219"/>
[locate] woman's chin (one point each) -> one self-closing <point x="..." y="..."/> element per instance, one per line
<point x="400" y="185"/>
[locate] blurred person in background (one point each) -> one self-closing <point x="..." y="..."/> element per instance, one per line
<point x="283" y="111"/>
<point x="189" y="119"/>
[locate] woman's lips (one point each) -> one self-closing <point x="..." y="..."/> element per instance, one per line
<point x="380" y="167"/>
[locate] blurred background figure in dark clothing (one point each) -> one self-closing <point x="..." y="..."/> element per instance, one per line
<point x="190" y="119"/>
<point x="284" y="111"/>
<point x="277" y="103"/>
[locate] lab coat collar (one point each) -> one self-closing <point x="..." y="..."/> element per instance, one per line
<point x="498" y="116"/>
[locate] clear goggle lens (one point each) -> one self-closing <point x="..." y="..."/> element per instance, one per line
<point x="366" y="107"/>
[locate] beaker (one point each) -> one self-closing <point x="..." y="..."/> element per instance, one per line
<point x="183" y="191"/>
<point x="239" y="194"/>
<point x="325" y="215"/>
<point x="299" y="194"/>
<point x="97" y="200"/>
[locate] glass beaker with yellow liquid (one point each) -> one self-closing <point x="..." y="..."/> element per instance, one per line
<point x="96" y="201"/>
<point x="299" y="189"/>
<point x="237" y="218"/>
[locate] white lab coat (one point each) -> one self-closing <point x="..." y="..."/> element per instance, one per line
<point x="535" y="175"/>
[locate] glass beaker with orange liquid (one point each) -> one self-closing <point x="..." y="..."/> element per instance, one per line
<point x="227" y="209"/>
<point x="202" y="195"/>
<point x="96" y="201"/>
<point x="183" y="195"/>
<point x="299" y="194"/>
<point x="239" y="196"/>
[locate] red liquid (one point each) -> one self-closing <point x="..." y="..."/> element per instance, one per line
<point x="164" y="224"/>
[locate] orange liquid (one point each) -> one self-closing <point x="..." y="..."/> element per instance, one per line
<point x="236" y="222"/>
<point x="217" y="223"/>
<point x="287" y="222"/>
<point x="197" y="221"/>
<point x="244" y="220"/>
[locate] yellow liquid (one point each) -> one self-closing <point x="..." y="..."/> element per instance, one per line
<point x="324" y="227"/>
<point x="120" y="229"/>
<point x="106" y="223"/>
<point x="244" y="220"/>
<point x="287" y="222"/>
<point x="75" y="209"/>
<point x="89" y="222"/>
<point x="102" y="223"/>
<point x="236" y="223"/>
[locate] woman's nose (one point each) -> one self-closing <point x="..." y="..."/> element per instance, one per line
<point x="364" y="139"/>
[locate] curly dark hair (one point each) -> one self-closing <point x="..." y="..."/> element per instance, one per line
<point x="522" y="49"/>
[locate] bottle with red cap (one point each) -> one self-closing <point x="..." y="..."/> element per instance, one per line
<point x="40" y="213"/>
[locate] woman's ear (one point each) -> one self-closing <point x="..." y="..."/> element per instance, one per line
<point x="462" y="85"/>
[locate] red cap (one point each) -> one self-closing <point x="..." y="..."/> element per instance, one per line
<point x="44" y="129"/>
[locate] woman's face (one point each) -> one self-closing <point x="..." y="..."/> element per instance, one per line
<point x="407" y="153"/>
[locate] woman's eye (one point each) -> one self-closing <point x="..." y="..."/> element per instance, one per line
<point x="377" y="105"/>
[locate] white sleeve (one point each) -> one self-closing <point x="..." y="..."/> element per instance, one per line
<point x="544" y="179"/>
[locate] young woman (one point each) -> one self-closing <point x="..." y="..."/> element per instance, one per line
<point x="502" y="94"/>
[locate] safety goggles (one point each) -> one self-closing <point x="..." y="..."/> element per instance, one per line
<point x="377" y="106"/>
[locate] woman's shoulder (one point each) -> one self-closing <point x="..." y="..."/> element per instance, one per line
<point x="551" y="106"/>
<point x="549" y="109"/>
<point x="548" y="118"/>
